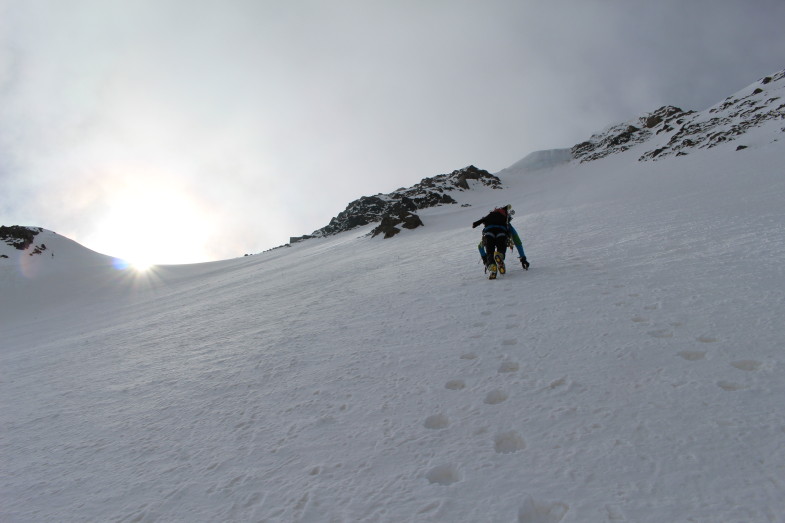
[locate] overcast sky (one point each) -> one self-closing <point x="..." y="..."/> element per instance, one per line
<point x="205" y="130"/>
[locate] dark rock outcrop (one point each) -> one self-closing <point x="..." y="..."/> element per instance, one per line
<point x="622" y="137"/>
<point x="670" y="131"/>
<point x="389" y="226"/>
<point x="19" y="237"/>
<point x="399" y="208"/>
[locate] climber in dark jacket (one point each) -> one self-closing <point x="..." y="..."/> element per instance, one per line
<point x="496" y="235"/>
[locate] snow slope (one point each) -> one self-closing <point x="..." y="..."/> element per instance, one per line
<point x="635" y="373"/>
<point x="540" y="160"/>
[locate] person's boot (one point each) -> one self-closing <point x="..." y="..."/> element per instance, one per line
<point x="499" y="259"/>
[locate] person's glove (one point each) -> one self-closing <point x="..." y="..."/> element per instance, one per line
<point x="524" y="263"/>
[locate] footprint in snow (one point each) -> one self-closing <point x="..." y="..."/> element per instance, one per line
<point x="509" y="366"/>
<point x="455" y="385"/>
<point x="444" y="474"/>
<point x="730" y="386"/>
<point x="508" y="442"/>
<point x="437" y="421"/>
<point x="542" y="512"/>
<point x="660" y="333"/>
<point x="495" y="397"/>
<point x="692" y="355"/>
<point x="557" y="383"/>
<point x="748" y="365"/>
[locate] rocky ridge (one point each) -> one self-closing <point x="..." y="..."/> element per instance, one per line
<point x="398" y="209"/>
<point x="675" y="132"/>
<point x="20" y="237"/>
<point x="668" y="131"/>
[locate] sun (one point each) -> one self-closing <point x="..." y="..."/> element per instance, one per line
<point x="154" y="224"/>
<point x="141" y="266"/>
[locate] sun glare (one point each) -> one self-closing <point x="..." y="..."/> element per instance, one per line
<point x="140" y="266"/>
<point x="154" y="222"/>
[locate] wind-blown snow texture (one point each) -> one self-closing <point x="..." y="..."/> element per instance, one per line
<point x="635" y="373"/>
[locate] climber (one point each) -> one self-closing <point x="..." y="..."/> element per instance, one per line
<point x="497" y="234"/>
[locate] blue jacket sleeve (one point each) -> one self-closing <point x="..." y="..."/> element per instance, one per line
<point x="517" y="241"/>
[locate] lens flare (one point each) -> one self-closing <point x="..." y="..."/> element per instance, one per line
<point x="141" y="266"/>
<point x="120" y="264"/>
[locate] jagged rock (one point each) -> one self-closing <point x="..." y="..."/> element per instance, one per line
<point x="19" y="237"/>
<point x="624" y="136"/>
<point x="360" y="212"/>
<point x="679" y="132"/>
<point x="471" y="173"/>
<point x="390" y="222"/>
<point x="296" y="239"/>
<point x="39" y="249"/>
<point x="399" y="207"/>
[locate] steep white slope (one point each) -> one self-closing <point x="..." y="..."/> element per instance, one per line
<point x="38" y="259"/>
<point x="540" y="160"/>
<point x="635" y="373"/>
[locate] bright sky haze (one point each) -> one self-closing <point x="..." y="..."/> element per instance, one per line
<point x="179" y="131"/>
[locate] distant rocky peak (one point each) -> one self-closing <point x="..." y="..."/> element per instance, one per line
<point x="434" y="191"/>
<point x="21" y="238"/>
<point x="398" y="208"/>
<point x="670" y="131"/>
<point x="621" y="137"/>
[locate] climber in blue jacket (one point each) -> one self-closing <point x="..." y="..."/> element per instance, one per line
<point x="497" y="234"/>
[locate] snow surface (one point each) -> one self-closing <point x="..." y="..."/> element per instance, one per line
<point x="635" y="373"/>
<point x="540" y="160"/>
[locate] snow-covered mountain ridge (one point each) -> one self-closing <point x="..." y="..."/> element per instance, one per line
<point x="18" y="237"/>
<point x="670" y="131"/>
<point x="38" y="249"/>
